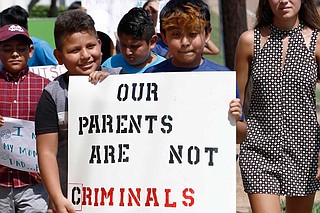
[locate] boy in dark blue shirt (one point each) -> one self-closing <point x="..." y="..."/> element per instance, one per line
<point x="185" y="27"/>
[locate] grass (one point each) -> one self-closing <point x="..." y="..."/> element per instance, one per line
<point x="43" y="29"/>
<point x="216" y="38"/>
<point x="316" y="208"/>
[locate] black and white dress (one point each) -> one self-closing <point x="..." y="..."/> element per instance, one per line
<point x="279" y="155"/>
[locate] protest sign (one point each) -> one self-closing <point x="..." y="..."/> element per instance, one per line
<point x="17" y="137"/>
<point x="18" y="145"/>
<point x="152" y="143"/>
<point x="50" y="72"/>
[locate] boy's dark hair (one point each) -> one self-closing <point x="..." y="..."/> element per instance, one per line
<point x="74" y="5"/>
<point x="137" y="23"/>
<point x="179" y="7"/>
<point x="69" y="22"/>
<point x="14" y="15"/>
<point x="105" y="45"/>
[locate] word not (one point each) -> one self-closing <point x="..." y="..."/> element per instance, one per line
<point x="192" y="154"/>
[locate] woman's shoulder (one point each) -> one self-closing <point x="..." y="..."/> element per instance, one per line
<point x="247" y="37"/>
<point x="246" y="42"/>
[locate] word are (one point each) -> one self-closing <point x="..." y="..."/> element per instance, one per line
<point x="109" y="154"/>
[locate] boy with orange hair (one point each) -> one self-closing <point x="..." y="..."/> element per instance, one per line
<point x="185" y="27"/>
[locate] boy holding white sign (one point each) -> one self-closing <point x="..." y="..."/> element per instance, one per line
<point x="79" y="49"/>
<point x="20" y="91"/>
<point x="185" y="27"/>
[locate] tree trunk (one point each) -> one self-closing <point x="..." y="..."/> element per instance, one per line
<point x="31" y="4"/>
<point x="53" y="11"/>
<point x="234" y="21"/>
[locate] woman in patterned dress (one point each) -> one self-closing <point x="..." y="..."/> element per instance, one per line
<point x="278" y="61"/>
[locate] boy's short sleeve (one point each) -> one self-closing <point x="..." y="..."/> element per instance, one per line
<point x="46" y="119"/>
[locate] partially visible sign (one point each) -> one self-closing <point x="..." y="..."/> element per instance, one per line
<point x="18" y="145"/>
<point x="17" y="137"/>
<point x="50" y="72"/>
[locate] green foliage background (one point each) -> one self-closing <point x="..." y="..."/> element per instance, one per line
<point x="216" y="38"/>
<point x="42" y="28"/>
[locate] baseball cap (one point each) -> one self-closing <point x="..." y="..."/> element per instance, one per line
<point x="10" y="30"/>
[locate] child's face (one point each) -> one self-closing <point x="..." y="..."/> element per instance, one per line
<point x="14" y="55"/>
<point x="135" y="52"/>
<point x="186" y="47"/>
<point x="81" y="53"/>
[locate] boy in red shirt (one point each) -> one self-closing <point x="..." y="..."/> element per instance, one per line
<point x="20" y="91"/>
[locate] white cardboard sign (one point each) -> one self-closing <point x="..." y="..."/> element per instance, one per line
<point x="152" y="143"/>
<point x="18" y="145"/>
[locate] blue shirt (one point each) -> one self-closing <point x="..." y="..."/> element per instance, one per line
<point x="42" y="55"/>
<point x="161" y="48"/>
<point x="167" y="66"/>
<point x="119" y="61"/>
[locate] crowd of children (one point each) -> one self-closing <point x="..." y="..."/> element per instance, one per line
<point x="184" y="27"/>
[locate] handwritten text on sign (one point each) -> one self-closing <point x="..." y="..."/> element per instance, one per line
<point x="17" y="137"/>
<point x="18" y="145"/>
<point x="152" y="142"/>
